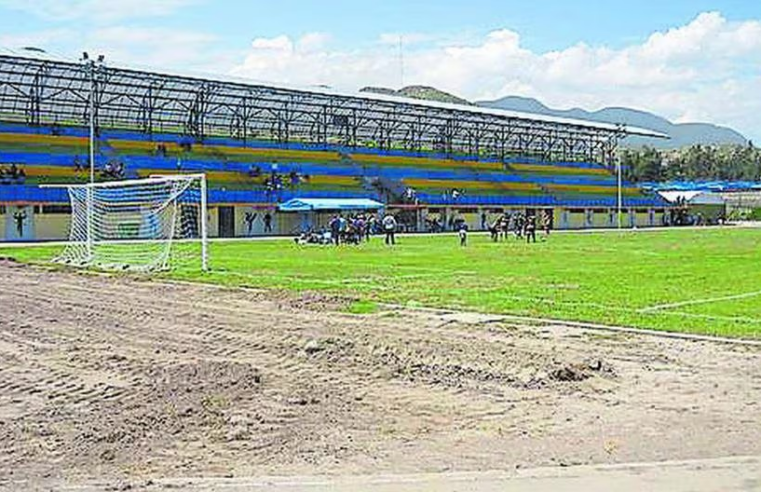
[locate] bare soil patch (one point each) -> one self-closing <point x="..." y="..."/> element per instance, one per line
<point x="125" y="380"/>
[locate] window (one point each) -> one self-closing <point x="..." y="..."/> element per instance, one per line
<point x="56" y="209"/>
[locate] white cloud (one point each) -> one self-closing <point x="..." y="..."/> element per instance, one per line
<point x="99" y="10"/>
<point x="160" y="48"/>
<point x="706" y="70"/>
<point x="35" y="39"/>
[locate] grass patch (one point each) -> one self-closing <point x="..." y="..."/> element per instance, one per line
<point x="363" y="307"/>
<point x="608" y="278"/>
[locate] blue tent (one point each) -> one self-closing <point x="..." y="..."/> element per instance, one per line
<point x="317" y="204"/>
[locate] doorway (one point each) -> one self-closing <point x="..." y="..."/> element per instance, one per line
<point x="226" y="221"/>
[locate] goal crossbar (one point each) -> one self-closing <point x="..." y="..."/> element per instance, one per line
<point x="153" y="179"/>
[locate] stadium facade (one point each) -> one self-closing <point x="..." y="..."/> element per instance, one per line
<point x="262" y="145"/>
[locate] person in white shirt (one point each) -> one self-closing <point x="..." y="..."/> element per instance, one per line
<point x="389" y="227"/>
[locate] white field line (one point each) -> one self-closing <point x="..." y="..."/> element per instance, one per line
<point x="712" y="317"/>
<point x="678" y="314"/>
<point x="694" y="302"/>
<point x="595" y="326"/>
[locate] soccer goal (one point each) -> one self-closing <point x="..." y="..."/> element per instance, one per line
<point x="151" y="224"/>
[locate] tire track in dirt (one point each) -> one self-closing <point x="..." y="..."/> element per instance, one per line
<point x="143" y="379"/>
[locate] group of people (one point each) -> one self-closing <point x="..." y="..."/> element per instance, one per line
<point x="352" y="229"/>
<point x="12" y="175"/>
<point x="521" y="225"/>
<point x="114" y="169"/>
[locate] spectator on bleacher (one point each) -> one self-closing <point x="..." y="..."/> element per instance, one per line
<point x="161" y="149"/>
<point x="113" y="170"/>
<point x="79" y="164"/>
<point x="293" y="178"/>
<point x="255" y="171"/>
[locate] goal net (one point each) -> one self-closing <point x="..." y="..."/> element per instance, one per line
<point x="151" y="224"/>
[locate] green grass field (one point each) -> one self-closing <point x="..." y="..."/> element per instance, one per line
<point x="705" y="281"/>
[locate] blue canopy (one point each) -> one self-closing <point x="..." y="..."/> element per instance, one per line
<point x="717" y="186"/>
<point x="310" y="204"/>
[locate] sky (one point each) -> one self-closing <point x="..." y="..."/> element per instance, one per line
<point x="687" y="60"/>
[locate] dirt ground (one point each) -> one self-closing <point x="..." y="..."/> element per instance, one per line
<point x="130" y="381"/>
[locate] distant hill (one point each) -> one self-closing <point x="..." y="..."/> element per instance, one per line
<point x="682" y="135"/>
<point x="419" y="92"/>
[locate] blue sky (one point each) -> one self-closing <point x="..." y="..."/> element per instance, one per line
<point x="687" y="60"/>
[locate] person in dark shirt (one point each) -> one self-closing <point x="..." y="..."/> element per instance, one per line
<point x="20" y="218"/>
<point x="335" y="230"/>
<point x="463" y="233"/>
<point x="267" y="223"/>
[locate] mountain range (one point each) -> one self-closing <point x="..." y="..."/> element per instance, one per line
<point x="682" y="134"/>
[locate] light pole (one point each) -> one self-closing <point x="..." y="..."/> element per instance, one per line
<point x="91" y="68"/>
<point x="619" y="190"/>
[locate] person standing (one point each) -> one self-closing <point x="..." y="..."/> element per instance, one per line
<point x="335" y="230"/>
<point x="463" y="233"/>
<point x="389" y="228"/>
<point x="530" y="228"/>
<point x="547" y="222"/>
<point x="20" y="217"/>
<point x="267" y="223"/>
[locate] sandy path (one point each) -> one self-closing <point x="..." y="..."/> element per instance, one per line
<point x="118" y="379"/>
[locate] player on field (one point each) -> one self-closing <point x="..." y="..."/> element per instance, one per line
<point x="530" y="228"/>
<point x="463" y="233"/>
<point x="389" y="228"/>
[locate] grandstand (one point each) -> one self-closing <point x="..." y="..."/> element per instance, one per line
<point x="261" y="145"/>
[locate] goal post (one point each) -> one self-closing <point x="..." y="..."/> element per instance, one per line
<point x="149" y="224"/>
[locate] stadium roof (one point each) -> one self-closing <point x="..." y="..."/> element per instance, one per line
<point x="312" y="204"/>
<point x="327" y="91"/>
<point x="46" y="90"/>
